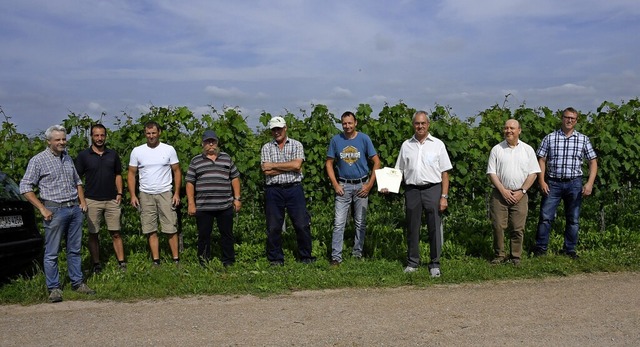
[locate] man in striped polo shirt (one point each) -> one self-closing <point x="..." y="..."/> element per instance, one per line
<point x="561" y="155"/>
<point x="213" y="192"/>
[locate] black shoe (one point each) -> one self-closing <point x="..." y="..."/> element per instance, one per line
<point x="276" y="263"/>
<point x="97" y="268"/>
<point x="308" y="260"/>
<point x="570" y="254"/>
<point x="539" y="252"/>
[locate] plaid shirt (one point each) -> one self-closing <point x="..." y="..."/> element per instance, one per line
<point x="273" y="154"/>
<point x="56" y="177"/>
<point x="565" y="155"/>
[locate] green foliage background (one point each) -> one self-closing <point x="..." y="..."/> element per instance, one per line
<point x="609" y="218"/>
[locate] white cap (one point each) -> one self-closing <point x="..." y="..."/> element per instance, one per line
<point x="277" y="122"/>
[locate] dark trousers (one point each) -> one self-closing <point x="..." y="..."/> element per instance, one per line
<point x="277" y="200"/>
<point x="224" y="219"/>
<point x="417" y="200"/>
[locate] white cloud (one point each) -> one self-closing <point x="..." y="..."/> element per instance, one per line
<point x="568" y="89"/>
<point x="218" y="92"/>
<point x="96" y="107"/>
<point x="341" y="93"/>
<point x="376" y="99"/>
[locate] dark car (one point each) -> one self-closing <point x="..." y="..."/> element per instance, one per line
<point x="21" y="243"/>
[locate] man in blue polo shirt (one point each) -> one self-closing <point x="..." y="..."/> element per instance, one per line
<point x="349" y="152"/>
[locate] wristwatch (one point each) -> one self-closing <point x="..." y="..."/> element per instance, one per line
<point x="446" y="196"/>
<point x="524" y="191"/>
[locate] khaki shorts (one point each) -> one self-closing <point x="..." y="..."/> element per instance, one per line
<point x="108" y="210"/>
<point x="154" y="205"/>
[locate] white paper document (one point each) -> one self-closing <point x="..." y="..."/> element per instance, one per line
<point x="389" y="178"/>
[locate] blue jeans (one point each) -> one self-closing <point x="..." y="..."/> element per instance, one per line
<point x="65" y="221"/>
<point x="342" y="205"/>
<point x="291" y="198"/>
<point x="570" y="192"/>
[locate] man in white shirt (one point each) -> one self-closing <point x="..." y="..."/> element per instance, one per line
<point x="512" y="169"/>
<point x="424" y="163"/>
<point x="155" y="162"/>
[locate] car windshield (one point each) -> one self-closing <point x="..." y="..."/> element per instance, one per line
<point x="9" y="190"/>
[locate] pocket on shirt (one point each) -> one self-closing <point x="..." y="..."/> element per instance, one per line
<point x="431" y="159"/>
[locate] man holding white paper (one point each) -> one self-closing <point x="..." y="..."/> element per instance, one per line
<point x="349" y="153"/>
<point x="424" y="162"/>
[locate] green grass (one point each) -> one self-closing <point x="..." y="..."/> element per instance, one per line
<point x="142" y="281"/>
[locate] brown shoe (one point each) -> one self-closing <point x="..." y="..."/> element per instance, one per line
<point x="334" y="263"/>
<point x="497" y="260"/>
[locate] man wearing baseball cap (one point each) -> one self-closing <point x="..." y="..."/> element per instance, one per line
<point x="282" y="163"/>
<point x="213" y="193"/>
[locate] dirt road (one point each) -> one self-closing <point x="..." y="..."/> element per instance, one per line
<point x="586" y="310"/>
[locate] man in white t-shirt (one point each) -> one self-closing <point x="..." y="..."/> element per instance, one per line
<point x="154" y="162"/>
<point x="512" y="169"/>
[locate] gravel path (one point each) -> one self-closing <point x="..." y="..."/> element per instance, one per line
<point x="586" y="310"/>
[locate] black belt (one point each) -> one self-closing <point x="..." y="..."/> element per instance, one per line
<point x="353" y="181"/>
<point x="555" y="179"/>
<point x="283" y="185"/>
<point x="421" y="186"/>
<point x="69" y="203"/>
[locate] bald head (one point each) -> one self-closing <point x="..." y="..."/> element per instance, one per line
<point x="512" y="131"/>
<point x="512" y="123"/>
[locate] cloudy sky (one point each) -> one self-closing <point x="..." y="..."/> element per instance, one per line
<point x="117" y="56"/>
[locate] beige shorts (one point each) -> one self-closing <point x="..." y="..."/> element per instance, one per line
<point x="108" y="210"/>
<point x="153" y="206"/>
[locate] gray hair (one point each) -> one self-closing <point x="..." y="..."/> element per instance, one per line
<point x="51" y="129"/>
<point x="413" y="119"/>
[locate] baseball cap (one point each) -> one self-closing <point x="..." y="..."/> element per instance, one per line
<point x="277" y="122"/>
<point x="209" y="134"/>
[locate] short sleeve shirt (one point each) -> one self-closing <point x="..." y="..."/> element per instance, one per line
<point x="350" y="155"/>
<point x="512" y="165"/>
<point x="423" y="163"/>
<point x="292" y="150"/>
<point x="100" y="173"/>
<point x="565" y="155"/>
<point x="154" y="167"/>
<point x="212" y="181"/>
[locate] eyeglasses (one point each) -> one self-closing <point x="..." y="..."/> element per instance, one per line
<point x="572" y="119"/>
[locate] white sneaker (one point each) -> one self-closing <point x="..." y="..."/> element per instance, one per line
<point x="410" y="269"/>
<point x="435" y="272"/>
